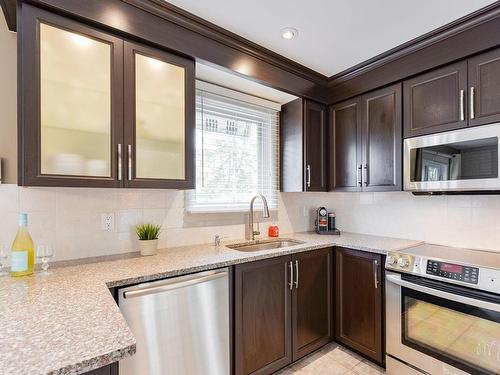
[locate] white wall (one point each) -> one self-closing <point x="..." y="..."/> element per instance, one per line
<point x="69" y="219"/>
<point x="461" y="221"/>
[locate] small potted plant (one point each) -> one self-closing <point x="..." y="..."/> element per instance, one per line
<point x="148" y="238"/>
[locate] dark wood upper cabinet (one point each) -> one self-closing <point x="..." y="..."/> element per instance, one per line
<point x="359" y="302"/>
<point x="345" y="145"/>
<point x="366" y="143"/>
<point x="436" y="101"/>
<point x="382" y="139"/>
<point x="303" y="146"/>
<point x="315" y="146"/>
<point x="312" y="301"/>
<point x="70" y="102"/>
<point x="262" y="319"/>
<point x="74" y="129"/>
<point x="159" y="118"/>
<point x="484" y="88"/>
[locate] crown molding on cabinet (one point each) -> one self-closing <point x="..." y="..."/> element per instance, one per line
<point x="471" y="34"/>
<point x="9" y="11"/>
<point x="168" y="26"/>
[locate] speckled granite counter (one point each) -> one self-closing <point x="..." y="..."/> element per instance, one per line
<point x="68" y="322"/>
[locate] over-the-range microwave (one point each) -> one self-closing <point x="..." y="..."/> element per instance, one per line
<point x="460" y="161"/>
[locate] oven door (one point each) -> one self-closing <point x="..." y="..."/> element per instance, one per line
<point x="453" y="161"/>
<point x="440" y="328"/>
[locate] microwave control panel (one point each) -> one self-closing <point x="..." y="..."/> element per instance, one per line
<point x="453" y="271"/>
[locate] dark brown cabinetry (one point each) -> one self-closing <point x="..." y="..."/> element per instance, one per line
<point x="435" y="101"/>
<point x="111" y="369"/>
<point x="381" y="139"/>
<point x="456" y="96"/>
<point x="359" y="302"/>
<point x="365" y="139"/>
<point x="484" y="88"/>
<point x="74" y="129"/>
<point x="312" y="301"/>
<point x="262" y="316"/>
<point x="303" y="146"/>
<point x="283" y="310"/>
<point x="345" y="145"/>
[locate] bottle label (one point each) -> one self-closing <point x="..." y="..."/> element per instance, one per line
<point x="19" y="261"/>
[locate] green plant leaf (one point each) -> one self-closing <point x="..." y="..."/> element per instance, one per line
<point x="147" y="232"/>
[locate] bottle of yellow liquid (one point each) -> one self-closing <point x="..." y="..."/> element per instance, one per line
<point x="23" y="255"/>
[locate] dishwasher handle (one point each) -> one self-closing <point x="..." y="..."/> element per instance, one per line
<point x="169" y="284"/>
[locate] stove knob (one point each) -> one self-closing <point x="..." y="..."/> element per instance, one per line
<point x="392" y="260"/>
<point x="403" y="263"/>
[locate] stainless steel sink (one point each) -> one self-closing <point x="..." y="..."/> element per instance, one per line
<point x="264" y="245"/>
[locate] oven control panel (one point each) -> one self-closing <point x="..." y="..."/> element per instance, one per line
<point x="453" y="271"/>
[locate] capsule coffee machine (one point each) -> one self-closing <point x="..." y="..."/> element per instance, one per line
<point x="325" y="222"/>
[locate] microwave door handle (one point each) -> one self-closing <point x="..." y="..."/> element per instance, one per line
<point x="396" y="279"/>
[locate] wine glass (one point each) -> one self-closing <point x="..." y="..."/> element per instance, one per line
<point x="44" y="253"/>
<point x="4" y="254"/>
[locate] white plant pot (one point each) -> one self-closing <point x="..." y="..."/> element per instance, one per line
<point x="148" y="247"/>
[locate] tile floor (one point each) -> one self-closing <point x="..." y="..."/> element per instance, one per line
<point x="333" y="359"/>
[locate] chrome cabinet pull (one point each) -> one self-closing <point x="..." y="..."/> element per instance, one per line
<point x="120" y="167"/>
<point x="129" y="162"/>
<point x="472" y="114"/>
<point x="296" y="274"/>
<point x="462" y="115"/>
<point x="308" y="175"/>
<point x="375" y="273"/>
<point x="366" y="175"/>
<point x="359" y="176"/>
<point x="290" y="284"/>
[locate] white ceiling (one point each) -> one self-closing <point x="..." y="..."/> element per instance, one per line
<point x="333" y="35"/>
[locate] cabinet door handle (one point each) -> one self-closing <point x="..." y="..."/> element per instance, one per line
<point x="366" y="175"/>
<point x="462" y="114"/>
<point x="290" y="284"/>
<point x="308" y="175"/>
<point x="296" y="274"/>
<point x="120" y="166"/>
<point x="472" y="114"/>
<point x="129" y="162"/>
<point x="375" y="273"/>
<point x="358" y="175"/>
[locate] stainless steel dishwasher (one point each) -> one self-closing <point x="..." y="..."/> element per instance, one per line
<point x="181" y="325"/>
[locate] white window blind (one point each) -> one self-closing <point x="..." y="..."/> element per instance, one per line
<point x="237" y="154"/>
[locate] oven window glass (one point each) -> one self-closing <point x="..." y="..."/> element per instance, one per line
<point x="466" y="160"/>
<point x="461" y="335"/>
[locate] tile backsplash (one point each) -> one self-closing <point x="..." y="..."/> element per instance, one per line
<point x="471" y="221"/>
<point x="70" y="219"/>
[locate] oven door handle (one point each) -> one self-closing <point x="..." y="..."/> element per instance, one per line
<point x="396" y="279"/>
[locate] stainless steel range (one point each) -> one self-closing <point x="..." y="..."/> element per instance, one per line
<point x="442" y="311"/>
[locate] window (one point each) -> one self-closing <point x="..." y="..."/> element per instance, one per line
<point x="236" y="154"/>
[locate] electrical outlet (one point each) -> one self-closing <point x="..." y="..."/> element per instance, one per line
<point x="108" y="222"/>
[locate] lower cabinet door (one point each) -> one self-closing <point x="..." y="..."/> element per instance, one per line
<point x="312" y="301"/>
<point x="262" y="320"/>
<point x="111" y="369"/>
<point x="359" y="293"/>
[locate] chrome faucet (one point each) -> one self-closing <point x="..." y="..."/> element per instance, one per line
<point x="251" y="233"/>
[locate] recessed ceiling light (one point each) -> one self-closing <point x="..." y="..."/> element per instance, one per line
<point x="289" y="33"/>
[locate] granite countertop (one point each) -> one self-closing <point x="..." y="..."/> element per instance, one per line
<point x="67" y="322"/>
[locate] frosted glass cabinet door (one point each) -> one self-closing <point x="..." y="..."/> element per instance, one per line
<point x="159" y="118"/>
<point x="74" y="114"/>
